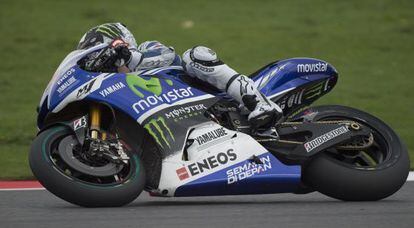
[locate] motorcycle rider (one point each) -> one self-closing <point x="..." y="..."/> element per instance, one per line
<point x="124" y="55"/>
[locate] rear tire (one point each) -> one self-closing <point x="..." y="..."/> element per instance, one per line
<point x="343" y="181"/>
<point x="76" y="191"/>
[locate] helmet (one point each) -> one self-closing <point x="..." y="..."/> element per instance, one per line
<point x="106" y="33"/>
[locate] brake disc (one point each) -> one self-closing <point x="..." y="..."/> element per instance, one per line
<point x="65" y="150"/>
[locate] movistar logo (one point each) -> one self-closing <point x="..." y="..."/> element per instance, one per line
<point x="153" y="85"/>
<point x="312" y="67"/>
<point x="159" y="130"/>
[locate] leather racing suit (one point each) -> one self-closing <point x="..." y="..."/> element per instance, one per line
<point x="200" y="62"/>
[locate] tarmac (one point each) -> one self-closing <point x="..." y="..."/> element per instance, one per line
<point x="39" y="208"/>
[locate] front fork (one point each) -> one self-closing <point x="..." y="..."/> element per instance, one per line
<point x="113" y="151"/>
<point x="95" y="120"/>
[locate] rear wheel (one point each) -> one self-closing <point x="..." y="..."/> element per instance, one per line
<point x="60" y="166"/>
<point x="356" y="172"/>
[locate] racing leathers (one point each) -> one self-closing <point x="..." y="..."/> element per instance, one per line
<point x="122" y="54"/>
<point x="203" y="63"/>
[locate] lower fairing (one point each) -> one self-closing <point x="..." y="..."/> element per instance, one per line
<point x="246" y="177"/>
<point x="224" y="166"/>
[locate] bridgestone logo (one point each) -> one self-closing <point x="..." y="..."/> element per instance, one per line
<point x="309" y="146"/>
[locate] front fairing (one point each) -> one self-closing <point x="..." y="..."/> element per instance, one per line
<point x="158" y="100"/>
<point x="60" y="88"/>
<point x="137" y="95"/>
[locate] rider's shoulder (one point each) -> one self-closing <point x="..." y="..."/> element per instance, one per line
<point x="152" y="45"/>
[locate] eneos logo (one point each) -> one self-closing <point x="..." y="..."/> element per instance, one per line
<point x="154" y="86"/>
<point x="208" y="163"/>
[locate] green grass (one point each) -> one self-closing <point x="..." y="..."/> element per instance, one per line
<point x="370" y="42"/>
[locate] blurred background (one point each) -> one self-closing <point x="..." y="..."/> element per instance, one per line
<point x="370" y="42"/>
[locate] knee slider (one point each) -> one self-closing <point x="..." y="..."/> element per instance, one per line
<point x="204" y="56"/>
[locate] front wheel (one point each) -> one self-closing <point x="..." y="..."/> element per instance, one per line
<point x="366" y="173"/>
<point x="90" y="187"/>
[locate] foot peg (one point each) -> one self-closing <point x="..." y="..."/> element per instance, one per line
<point x="268" y="133"/>
<point x="256" y="160"/>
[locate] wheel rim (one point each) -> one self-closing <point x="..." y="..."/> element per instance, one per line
<point x="124" y="174"/>
<point x="375" y="157"/>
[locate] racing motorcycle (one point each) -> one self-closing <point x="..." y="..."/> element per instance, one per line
<point x="105" y="137"/>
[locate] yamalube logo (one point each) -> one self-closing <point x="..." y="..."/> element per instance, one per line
<point x="154" y="86"/>
<point x="66" y="84"/>
<point x="210" y="136"/>
<point x="209" y="163"/>
<point x="65" y="76"/>
<point x="313" y="67"/>
<point x="309" y="146"/>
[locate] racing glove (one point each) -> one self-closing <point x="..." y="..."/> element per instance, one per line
<point x="108" y="59"/>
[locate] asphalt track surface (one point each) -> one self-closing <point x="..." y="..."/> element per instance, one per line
<point x="41" y="209"/>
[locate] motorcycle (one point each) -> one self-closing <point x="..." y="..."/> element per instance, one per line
<point x="105" y="137"/>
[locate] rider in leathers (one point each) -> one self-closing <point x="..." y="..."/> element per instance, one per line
<point x="124" y="55"/>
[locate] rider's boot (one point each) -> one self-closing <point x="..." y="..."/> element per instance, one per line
<point x="203" y="63"/>
<point x="263" y="112"/>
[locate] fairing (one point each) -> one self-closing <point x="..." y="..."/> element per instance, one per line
<point x="164" y="104"/>
<point x="246" y="177"/>
<point x="295" y="83"/>
<point x="285" y="75"/>
<point x="138" y="96"/>
<point x="157" y="99"/>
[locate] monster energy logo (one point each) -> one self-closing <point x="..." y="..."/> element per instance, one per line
<point x="158" y="129"/>
<point x="314" y="91"/>
<point x="110" y="30"/>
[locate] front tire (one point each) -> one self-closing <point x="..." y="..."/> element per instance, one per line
<point x="337" y="177"/>
<point x="82" y="192"/>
